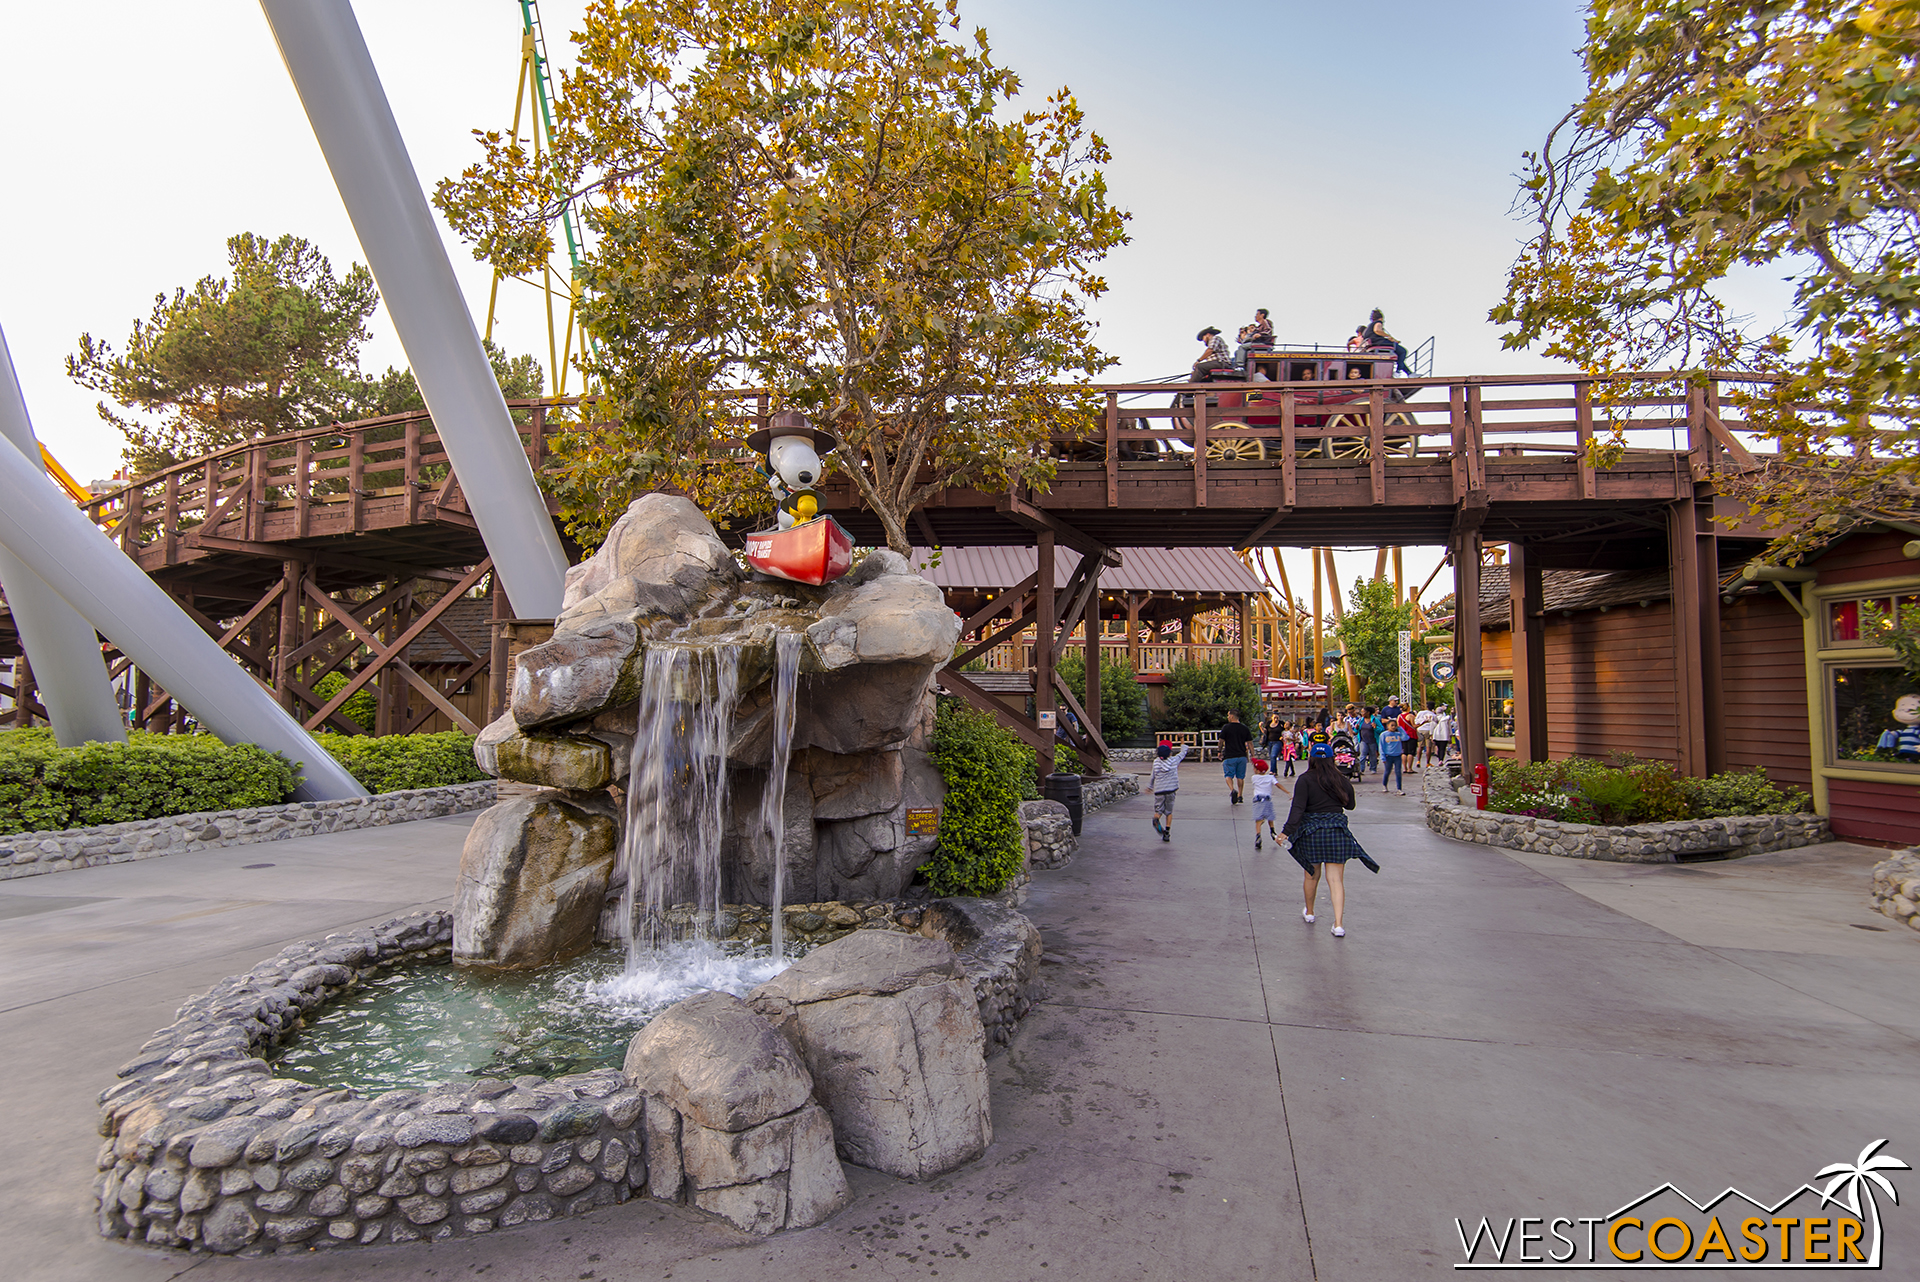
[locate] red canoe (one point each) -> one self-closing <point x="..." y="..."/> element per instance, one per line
<point x="816" y="552"/>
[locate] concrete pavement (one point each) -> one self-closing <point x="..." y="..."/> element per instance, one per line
<point x="1213" y="1089"/>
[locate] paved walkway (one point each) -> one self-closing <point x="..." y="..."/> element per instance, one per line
<point x="1213" y="1090"/>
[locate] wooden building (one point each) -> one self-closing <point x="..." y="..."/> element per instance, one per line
<point x="1158" y="607"/>
<point x="1803" y="690"/>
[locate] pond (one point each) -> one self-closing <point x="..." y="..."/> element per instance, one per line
<point x="426" y="1023"/>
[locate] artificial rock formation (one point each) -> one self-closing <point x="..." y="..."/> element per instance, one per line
<point x="889" y="1027"/>
<point x="533" y="879"/>
<point x="870" y="644"/>
<point x="734" y="1102"/>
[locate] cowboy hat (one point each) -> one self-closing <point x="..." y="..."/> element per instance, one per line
<point x="791" y="423"/>
<point x="1201" y="337"/>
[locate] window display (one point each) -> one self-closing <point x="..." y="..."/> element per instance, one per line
<point x="1499" y="692"/>
<point x="1876" y="714"/>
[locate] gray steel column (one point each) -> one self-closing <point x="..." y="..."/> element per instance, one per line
<point x="60" y="644"/>
<point x="55" y="541"/>
<point x="325" y="54"/>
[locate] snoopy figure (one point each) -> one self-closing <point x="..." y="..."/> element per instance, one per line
<point x="793" y="446"/>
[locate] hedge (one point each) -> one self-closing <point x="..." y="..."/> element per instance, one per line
<point x="44" y="787"/>
<point x="396" y="762"/>
<point x="979" y="848"/>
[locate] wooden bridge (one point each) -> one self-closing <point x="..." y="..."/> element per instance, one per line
<point x="299" y="551"/>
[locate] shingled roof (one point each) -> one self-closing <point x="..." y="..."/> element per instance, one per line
<point x="1570" y="590"/>
<point x="1141" y="570"/>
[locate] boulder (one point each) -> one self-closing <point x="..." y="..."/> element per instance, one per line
<point x="874" y="856"/>
<point x="862" y="708"/>
<point x="753" y="1148"/>
<point x="890" y="1030"/>
<point x="555" y="761"/>
<point x="488" y="741"/>
<point x="577" y="675"/>
<point x="720" y="1064"/>
<point x="660" y="557"/>
<point x="847" y="786"/>
<point x="533" y="877"/>
<point x="890" y="618"/>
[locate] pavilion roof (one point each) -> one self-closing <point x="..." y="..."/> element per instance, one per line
<point x="995" y="569"/>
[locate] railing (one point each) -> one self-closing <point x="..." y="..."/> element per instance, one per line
<point x="1154" y="657"/>
<point x="332" y="475"/>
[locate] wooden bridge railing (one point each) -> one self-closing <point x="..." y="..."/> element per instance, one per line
<point x="323" y="480"/>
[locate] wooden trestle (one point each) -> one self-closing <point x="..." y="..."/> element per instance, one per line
<point x="337" y="548"/>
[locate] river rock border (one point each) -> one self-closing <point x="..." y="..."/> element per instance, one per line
<point x="205" y="1149"/>
<point x="1658" y="843"/>
<point x="29" y="854"/>
<point x="1896" y="887"/>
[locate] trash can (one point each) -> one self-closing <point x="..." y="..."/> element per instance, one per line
<point x="1065" y="789"/>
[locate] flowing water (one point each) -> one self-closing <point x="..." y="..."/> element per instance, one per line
<point x="677" y="794"/>
<point x="773" y="798"/>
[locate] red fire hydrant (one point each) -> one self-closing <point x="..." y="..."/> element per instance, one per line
<point x="1480" y="786"/>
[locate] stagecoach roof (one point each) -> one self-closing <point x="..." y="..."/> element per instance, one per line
<point x="995" y="569"/>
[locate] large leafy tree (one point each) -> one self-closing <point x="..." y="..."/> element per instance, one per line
<point x="1721" y="134"/>
<point x="831" y="200"/>
<point x="270" y="347"/>
<point x="1369" y="635"/>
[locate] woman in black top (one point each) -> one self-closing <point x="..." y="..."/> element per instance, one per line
<point x="1317" y="830"/>
<point x="1271" y="738"/>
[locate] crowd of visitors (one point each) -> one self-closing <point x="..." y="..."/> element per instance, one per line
<point x="1316" y="829"/>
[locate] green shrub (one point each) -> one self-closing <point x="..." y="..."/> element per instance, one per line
<point x="1744" y="792"/>
<point x="1631" y="790"/>
<point x="44" y="787"/>
<point x="1199" y="695"/>
<point x="362" y="706"/>
<point x="396" y="762"/>
<point x="979" y="847"/>
<point x="1122" y="702"/>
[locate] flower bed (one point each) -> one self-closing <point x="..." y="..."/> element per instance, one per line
<point x="1670" y="842"/>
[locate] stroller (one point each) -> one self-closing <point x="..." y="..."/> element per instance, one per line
<point x="1346" y="754"/>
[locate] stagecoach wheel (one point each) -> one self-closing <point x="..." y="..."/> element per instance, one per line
<point x="1359" y="447"/>
<point x="1234" y="449"/>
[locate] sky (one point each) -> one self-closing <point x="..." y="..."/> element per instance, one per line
<point x="1315" y="159"/>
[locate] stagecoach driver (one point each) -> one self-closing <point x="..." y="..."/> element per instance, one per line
<point x="1213" y="356"/>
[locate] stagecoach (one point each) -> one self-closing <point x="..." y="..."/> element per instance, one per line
<point x="1330" y="388"/>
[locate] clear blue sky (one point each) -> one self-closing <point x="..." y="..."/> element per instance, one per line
<point x="1313" y="158"/>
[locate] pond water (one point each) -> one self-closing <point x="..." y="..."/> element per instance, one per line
<point x="418" y="1025"/>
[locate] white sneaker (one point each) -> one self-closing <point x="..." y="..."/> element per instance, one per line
<point x="1308" y="914"/>
<point x="1339" y="932"/>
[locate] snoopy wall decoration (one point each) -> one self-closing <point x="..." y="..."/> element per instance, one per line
<point x="805" y="546"/>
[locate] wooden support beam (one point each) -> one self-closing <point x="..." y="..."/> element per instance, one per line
<point x="1200" y="447"/>
<point x="292" y="572"/>
<point x="958" y="683"/>
<point x="1468" y="707"/>
<point x="1583" y="436"/>
<point x="386" y="656"/>
<point x="497" y="673"/>
<point x="1046" y="523"/>
<point x="1091" y="620"/>
<point x="1693" y="570"/>
<point x="1133" y="631"/>
<point x="1289" y="450"/>
<point x="1527" y="604"/>
<point x="1377" y="445"/>
<point x="1043" y="684"/>
<point x="1113" y="449"/>
<point x="1274" y="518"/>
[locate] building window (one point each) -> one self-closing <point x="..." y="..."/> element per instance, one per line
<point x="1875" y="714"/>
<point x="1848" y="623"/>
<point x="1499" y="705"/>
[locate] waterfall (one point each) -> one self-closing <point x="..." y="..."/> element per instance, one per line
<point x="773" y="798"/>
<point x="677" y="790"/>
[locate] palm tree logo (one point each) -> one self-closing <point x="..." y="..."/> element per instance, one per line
<point x="1851" y="1179"/>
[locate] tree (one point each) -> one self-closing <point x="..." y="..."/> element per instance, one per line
<point x="1122" y="702"/>
<point x="1199" y="695"/>
<point x="834" y="202"/>
<point x="395" y="392"/>
<point x="271" y="347"/>
<point x="1718" y="134"/>
<point x="1370" y="637"/>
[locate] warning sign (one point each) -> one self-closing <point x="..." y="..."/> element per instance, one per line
<point x="923" y="823"/>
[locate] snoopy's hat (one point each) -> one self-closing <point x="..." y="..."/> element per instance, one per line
<point x="791" y="423"/>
